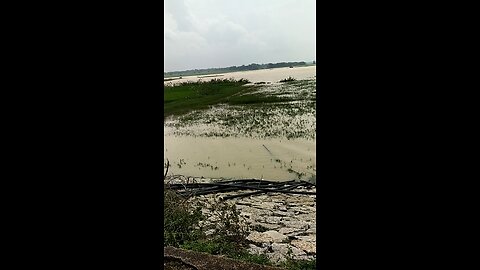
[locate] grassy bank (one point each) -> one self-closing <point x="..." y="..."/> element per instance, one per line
<point x="189" y="96"/>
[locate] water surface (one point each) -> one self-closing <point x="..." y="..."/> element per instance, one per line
<point x="272" y="159"/>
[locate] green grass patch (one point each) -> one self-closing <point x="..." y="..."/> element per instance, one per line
<point x="299" y="264"/>
<point x="229" y="249"/>
<point x="189" y="96"/>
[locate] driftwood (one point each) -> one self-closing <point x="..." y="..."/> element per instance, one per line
<point x="260" y="187"/>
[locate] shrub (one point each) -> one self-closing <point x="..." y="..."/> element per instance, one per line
<point x="229" y="227"/>
<point x="181" y="220"/>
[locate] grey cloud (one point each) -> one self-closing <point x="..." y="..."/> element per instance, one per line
<point x="212" y="33"/>
<point x="181" y="14"/>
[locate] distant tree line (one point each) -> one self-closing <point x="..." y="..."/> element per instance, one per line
<point x="252" y="66"/>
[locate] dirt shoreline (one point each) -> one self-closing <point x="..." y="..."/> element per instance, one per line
<point x="180" y="259"/>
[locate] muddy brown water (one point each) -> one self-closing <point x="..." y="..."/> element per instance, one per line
<point x="241" y="157"/>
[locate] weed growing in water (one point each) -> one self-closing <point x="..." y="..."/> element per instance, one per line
<point x="289" y="79"/>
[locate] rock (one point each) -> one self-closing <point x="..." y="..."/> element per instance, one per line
<point x="245" y="203"/>
<point x="256" y="237"/>
<point x="276" y="257"/>
<point x="273" y="220"/>
<point x="265" y="205"/>
<point x="209" y="232"/>
<point x="289" y="231"/>
<point x="312" y="230"/>
<point x="308" y="247"/>
<point x="308" y="238"/>
<point x="266" y="246"/>
<point x="267" y="226"/>
<point x="284" y="250"/>
<point x="305" y="210"/>
<point x="214" y="219"/>
<point x="298" y="224"/>
<point x="256" y="211"/>
<point x="246" y="214"/>
<point x="268" y="236"/>
<point x="306" y="217"/>
<point x="240" y="206"/>
<point x="253" y="249"/>
<point x="271" y="226"/>
<point x="261" y="198"/>
<point x="276" y="236"/>
<point x="260" y="219"/>
<point x="282" y="214"/>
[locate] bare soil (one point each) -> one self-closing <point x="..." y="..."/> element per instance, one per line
<point x="180" y="259"/>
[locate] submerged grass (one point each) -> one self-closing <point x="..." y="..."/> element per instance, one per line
<point x="289" y="79"/>
<point x="263" y="111"/>
<point x="267" y="120"/>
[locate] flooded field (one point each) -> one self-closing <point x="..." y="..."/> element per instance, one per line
<point x="274" y="141"/>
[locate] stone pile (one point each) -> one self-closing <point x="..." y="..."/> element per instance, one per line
<point x="281" y="225"/>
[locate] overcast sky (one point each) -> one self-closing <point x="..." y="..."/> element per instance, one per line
<point x="221" y="33"/>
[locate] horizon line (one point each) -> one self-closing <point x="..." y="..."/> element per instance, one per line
<point x="237" y="66"/>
